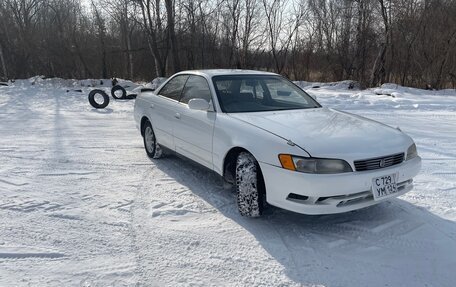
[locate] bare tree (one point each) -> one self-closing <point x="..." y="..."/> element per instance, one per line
<point x="379" y="69"/>
<point x="100" y="23"/>
<point x="251" y="32"/>
<point x="3" y="38"/>
<point x="25" y="17"/>
<point x="172" y="35"/>
<point x="280" y="29"/>
<point x="152" y="20"/>
<point x="411" y="42"/>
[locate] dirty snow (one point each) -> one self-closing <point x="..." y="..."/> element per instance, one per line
<point x="82" y="205"/>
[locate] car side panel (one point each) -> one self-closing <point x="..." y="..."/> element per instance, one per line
<point x="138" y="113"/>
<point x="264" y="146"/>
<point x="159" y="111"/>
<point x="162" y="113"/>
<point x="193" y="133"/>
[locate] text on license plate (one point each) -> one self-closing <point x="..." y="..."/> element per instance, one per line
<point x="384" y="186"/>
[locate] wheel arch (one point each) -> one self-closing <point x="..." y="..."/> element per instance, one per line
<point x="143" y="122"/>
<point x="229" y="162"/>
<point x="243" y="200"/>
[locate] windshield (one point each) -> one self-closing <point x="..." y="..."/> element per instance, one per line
<point x="257" y="93"/>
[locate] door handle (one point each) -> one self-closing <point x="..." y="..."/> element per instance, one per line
<point x="177" y="115"/>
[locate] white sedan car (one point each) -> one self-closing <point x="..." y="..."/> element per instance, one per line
<point x="276" y="143"/>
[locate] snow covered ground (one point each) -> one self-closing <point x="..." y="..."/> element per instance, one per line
<point x="82" y="205"/>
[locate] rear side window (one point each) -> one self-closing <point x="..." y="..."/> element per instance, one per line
<point x="174" y="87"/>
<point x="196" y="87"/>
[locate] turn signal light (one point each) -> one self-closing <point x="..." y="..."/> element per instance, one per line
<point x="287" y="161"/>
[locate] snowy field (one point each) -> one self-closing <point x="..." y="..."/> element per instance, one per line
<point x="82" y="205"/>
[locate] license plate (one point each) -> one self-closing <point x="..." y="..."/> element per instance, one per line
<point x="384" y="186"/>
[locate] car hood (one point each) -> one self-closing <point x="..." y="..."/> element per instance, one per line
<point x="329" y="133"/>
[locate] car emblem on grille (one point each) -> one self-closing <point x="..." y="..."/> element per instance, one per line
<point x="382" y="163"/>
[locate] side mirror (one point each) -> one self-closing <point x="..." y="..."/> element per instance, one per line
<point x="198" y="104"/>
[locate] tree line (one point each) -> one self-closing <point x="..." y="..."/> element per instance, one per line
<point x="408" y="42"/>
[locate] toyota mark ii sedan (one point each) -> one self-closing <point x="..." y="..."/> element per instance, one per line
<point x="275" y="143"/>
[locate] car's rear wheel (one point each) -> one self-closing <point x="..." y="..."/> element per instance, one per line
<point x="249" y="186"/>
<point x="153" y="149"/>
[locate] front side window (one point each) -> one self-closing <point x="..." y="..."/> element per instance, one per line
<point x="196" y="87"/>
<point x="257" y="93"/>
<point x="174" y="87"/>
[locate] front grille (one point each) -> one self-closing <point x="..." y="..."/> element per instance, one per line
<point x="379" y="162"/>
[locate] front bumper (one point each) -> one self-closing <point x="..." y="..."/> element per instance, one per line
<point x="331" y="193"/>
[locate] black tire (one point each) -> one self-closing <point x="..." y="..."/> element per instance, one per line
<point x="250" y="188"/>
<point x="130" y="97"/>
<point x="118" y="88"/>
<point x="94" y="103"/>
<point x="151" y="146"/>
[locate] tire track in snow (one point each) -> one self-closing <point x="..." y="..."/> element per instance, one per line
<point x="27" y="255"/>
<point x="67" y="173"/>
<point x="29" y="205"/>
<point x="13" y="183"/>
<point x="136" y="207"/>
<point x="143" y="208"/>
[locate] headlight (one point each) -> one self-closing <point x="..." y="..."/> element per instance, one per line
<point x="314" y="165"/>
<point x="411" y="152"/>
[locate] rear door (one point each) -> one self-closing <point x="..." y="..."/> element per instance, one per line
<point x="163" y="110"/>
<point x="193" y="129"/>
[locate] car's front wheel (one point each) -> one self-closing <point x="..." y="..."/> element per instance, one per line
<point x="249" y="186"/>
<point x="153" y="149"/>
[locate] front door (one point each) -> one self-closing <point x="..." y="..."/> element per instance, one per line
<point x="193" y="129"/>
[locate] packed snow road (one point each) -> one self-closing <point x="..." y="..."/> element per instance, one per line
<point x="82" y="205"/>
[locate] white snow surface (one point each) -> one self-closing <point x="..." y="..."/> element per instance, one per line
<point x="82" y="205"/>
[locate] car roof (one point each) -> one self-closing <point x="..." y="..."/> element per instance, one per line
<point x="225" y="72"/>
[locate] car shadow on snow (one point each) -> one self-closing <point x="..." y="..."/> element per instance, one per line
<point x="394" y="243"/>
